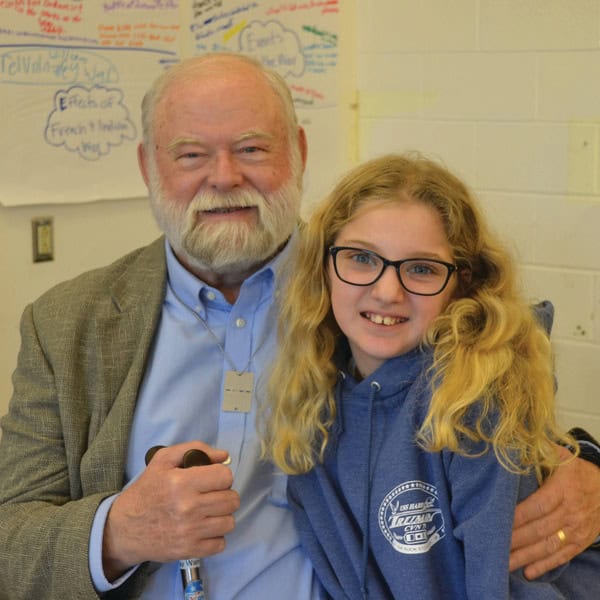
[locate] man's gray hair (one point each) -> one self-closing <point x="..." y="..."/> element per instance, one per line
<point x="190" y="69"/>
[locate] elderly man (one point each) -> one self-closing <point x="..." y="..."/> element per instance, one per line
<point x="169" y="346"/>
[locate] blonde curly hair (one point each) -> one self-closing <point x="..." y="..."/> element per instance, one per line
<point x="489" y="350"/>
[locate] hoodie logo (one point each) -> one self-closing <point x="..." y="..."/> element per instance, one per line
<point x="411" y="519"/>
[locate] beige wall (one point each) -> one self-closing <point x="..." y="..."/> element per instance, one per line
<point x="508" y="95"/>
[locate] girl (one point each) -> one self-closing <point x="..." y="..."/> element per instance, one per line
<point x="412" y="399"/>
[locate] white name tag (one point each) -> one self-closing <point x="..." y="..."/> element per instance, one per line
<point x="237" y="392"/>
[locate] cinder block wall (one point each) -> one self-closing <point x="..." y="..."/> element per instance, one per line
<point x="507" y="94"/>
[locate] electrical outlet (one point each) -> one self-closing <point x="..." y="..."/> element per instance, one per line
<point x="43" y="239"/>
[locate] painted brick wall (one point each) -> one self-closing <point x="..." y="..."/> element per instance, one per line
<point x="507" y="94"/>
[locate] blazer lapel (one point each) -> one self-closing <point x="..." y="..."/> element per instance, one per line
<point x="124" y="337"/>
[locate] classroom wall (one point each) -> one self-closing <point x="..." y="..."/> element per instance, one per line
<point x="504" y="92"/>
<point x="507" y="94"/>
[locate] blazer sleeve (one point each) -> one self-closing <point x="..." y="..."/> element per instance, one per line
<point x="44" y="529"/>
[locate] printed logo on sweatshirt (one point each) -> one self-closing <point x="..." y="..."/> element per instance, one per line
<point x="411" y="519"/>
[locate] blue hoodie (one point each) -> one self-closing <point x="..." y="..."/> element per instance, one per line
<point x="382" y="518"/>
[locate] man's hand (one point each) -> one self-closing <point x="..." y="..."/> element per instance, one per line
<point x="171" y="513"/>
<point x="568" y="501"/>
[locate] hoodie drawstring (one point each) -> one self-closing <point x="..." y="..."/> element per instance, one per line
<point x="375" y="388"/>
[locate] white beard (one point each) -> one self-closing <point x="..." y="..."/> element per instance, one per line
<point x="227" y="247"/>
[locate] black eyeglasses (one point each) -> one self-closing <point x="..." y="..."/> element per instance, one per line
<point x="420" y="276"/>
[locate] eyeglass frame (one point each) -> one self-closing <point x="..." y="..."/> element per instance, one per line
<point x="333" y="251"/>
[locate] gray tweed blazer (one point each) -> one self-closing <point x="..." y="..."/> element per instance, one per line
<point x="64" y="440"/>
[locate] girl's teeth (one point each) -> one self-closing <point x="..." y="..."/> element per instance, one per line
<point x="379" y="320"/>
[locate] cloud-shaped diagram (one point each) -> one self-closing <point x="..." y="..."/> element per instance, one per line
<point x="89" y="121"/>
<point x="274" y="46"/>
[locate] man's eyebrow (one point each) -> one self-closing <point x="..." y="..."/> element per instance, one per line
<point x="255" y="134"/>
<point x="180" y="141"/>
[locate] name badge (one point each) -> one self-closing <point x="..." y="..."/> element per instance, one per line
<point x="237" y="392"/>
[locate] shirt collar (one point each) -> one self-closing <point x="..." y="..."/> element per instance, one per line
<point x="193" y="291"/>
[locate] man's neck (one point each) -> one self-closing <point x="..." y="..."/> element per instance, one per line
<point x="230" y="283"/>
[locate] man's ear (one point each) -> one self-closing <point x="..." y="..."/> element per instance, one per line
<point x="303" y="145"/>
<point x="143" y="162"/>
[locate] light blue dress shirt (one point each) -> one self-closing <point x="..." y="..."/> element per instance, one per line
<point x="180" y="400"/>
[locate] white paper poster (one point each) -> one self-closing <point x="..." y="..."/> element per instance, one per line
<point x="73" y="73"/>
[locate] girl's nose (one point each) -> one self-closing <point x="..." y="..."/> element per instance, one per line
<point x="388" y="287"/>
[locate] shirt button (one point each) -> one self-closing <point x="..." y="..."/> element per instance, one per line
<point x="240" y="322"/>
<point x="211" y="295"/>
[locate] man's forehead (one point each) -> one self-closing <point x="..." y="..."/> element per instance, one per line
<point x="239" y="114"/>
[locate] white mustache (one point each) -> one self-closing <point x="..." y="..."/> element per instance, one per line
<point x="222" y="202"/>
